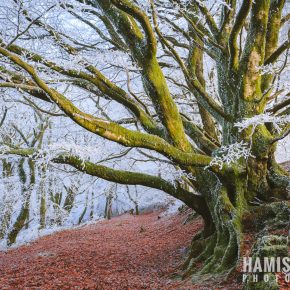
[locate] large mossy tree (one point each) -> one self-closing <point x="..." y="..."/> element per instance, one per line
<point x="240" y="39"/>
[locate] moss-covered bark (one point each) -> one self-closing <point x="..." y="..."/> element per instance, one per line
<point x="233" y="214"/>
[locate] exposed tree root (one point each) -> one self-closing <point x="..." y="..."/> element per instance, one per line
<point x="218" y="255"/>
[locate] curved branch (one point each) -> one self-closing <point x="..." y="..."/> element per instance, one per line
<point x="110" y="130"/>
<point x="121" y="176"/>
<point x="102" y="83"/>
<point x="134" y="178"/>
<point x="142" y="18"/>
<point x="154" y="81"/>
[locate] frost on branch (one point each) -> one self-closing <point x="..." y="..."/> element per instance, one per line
<point x="269" y="69"/>
<point x="262" y="119"/>
<point x="52" y="151"/>
<point x="231" y="154"/>
<point x="3" y="150"/>
<point x="174" y="175"/>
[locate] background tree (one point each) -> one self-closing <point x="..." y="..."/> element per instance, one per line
<point x="199" y="85"/>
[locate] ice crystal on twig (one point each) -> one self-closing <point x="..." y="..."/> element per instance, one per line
<point x="231" y="154"/>
<point x="262" y="119"/>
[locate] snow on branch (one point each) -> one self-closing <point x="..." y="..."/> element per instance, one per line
<point x="261" y="119"/>
<point x="53" y="151"/>
<point x="174" y="175"/>
<point x="231" y="154"/>
<point x="272" y="68"/>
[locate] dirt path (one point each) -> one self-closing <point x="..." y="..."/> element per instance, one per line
<point x="128" y="252"/>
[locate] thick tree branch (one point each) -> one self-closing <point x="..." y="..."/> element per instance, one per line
<point x="238" y="25"/>
<point x="228" y="13"/>
<point x="142" y="18"/>
<point x="110" y="130"/>
<point x="102" y="83"/>
<point x="272" y="40"/>
<point x="253" y="55"/>
<point x="273" y="27"/>
<point x="120" y="176"/>
<point x="154" y="81"/>
<point x="278" y="52"/>
<point x="281" y="105"/>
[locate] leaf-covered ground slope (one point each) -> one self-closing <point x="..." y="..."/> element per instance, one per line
<point x="127" y="252"/>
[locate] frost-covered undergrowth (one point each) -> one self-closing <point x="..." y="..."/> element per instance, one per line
<point x="146" y="199"/>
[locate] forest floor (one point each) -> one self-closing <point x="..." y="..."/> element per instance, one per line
<point x="126" y="252"/>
